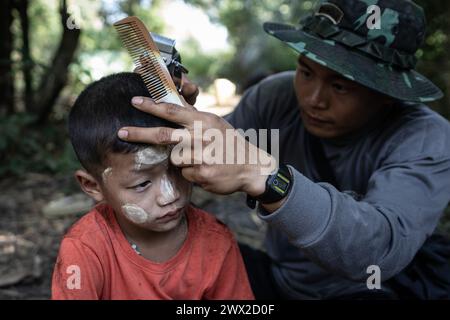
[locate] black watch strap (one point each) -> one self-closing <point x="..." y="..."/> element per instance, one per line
<point x="277" y="187"/>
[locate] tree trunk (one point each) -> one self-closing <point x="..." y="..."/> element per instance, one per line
<point x="55" y="78"/>
<point x="6" y="46"/>
<point x="27" y="62"/>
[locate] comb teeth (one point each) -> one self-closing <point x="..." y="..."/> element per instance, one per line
<point x="147" y="58"/>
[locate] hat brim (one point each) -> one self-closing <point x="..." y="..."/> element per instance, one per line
<point x="407" y="85"/>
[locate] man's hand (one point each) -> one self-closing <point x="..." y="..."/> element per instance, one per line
<point x="214" y="172"/>
<point x="189" y="90"/>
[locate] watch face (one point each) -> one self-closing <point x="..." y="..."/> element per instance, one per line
<point x="280" y="183"/>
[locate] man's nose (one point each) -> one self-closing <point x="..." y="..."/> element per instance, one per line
<point x="168" y="192"/>
<point x="317" y="97"/>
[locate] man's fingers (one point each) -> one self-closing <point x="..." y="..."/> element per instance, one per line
<point x="189" y="90"/>
<point x="187" y="105"/>
<point x="158" y="135"/>
<point x="188" y="173"/>
<point x="192" y="174"/>
<point x="168" y="111"/>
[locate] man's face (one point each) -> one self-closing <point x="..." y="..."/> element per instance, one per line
<point x="332" y="106"/>
<point x="145" y="189"/>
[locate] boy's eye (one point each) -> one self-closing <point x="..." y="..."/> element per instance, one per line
<point x="141" y="186"/>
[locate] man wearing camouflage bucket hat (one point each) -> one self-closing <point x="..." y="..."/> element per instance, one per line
<point x="337" y="36"/>
<point x="368" y="164"/>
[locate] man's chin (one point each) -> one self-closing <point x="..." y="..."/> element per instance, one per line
<point x="323" y="133"/>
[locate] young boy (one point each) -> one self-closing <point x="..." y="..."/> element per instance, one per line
<point x="143" y="240"/>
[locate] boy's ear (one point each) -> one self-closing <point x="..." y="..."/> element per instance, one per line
<point x="89" y="185"/>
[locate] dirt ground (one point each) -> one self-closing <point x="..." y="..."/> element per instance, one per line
<point x="29" y="239"/>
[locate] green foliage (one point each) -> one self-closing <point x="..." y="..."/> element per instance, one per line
<point x="24" y="148"/>
<point x="100" y="41"/>
<point x="435" y="53"/>
<point x="254" y="51"/>
<point x="203" y="68"/>
<point x="45" y="30"/>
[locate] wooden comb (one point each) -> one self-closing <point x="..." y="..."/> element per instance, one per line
<point x="148" y="60"/>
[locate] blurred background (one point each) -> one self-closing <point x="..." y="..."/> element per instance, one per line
<point x="50" y="50"/>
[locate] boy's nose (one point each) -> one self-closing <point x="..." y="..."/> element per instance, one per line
<point x="168" y="193"/>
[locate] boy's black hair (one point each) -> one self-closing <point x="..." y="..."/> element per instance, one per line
<point x="100" y="111"/>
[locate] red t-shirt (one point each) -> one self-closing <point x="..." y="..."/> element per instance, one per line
<point x="96" y="261"/>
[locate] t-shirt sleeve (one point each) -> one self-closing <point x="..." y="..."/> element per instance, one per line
<point x="232" y="281"/>
<point x="78" y="273"/>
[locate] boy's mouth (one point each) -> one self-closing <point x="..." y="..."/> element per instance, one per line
<point x="171" y="215"/>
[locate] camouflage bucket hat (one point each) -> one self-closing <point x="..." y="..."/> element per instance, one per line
<point x="346" y="36"/>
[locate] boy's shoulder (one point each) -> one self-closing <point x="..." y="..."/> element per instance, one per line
<point x="91" y="226"/>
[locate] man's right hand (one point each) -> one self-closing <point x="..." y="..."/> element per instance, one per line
<point x="239" y="173"/>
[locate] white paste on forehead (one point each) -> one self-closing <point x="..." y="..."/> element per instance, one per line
<point x="151" y="155"/>
<point x="106" y="173"/>
<point x="135" y="213"/>
<point x="167" y="190"/>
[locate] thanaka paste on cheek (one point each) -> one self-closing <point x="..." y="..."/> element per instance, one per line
<point x="136" y="214"/>
<point x="151" y="155"/>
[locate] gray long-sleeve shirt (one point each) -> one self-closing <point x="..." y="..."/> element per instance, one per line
<point x="394" y="180"/>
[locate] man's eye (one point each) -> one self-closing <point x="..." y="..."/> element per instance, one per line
<point x="340" y="88"/>
<point x="305" y="74"/>
<point x="141" y="186"/>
